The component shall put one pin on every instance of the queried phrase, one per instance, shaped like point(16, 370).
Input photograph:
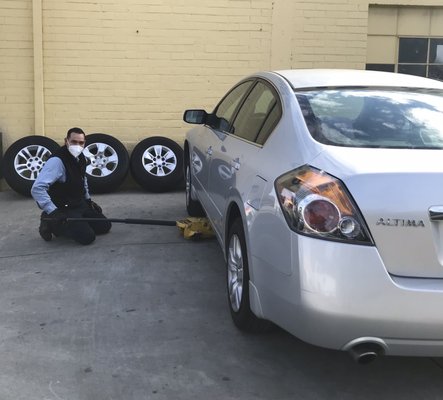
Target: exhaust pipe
point(364, 350)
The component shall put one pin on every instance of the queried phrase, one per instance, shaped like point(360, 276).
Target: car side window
point(228, 106)
point(257, 115)
point(270, 123)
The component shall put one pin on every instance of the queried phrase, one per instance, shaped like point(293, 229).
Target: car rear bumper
point(339, 293)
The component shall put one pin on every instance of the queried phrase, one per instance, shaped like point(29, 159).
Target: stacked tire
point(24, 159)
point(107, 162)
point(155, 163)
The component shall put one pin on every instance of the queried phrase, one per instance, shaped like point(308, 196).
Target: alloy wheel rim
point(235, 273)
point(29, 161)
point(159, 160)
point(102, 159)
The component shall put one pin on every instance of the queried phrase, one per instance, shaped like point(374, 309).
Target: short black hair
point(75, 130)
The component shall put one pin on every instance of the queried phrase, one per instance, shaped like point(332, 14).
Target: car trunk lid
point(395, 190)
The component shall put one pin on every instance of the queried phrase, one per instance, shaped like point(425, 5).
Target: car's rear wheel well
point(186, 153)
point(233, 214)
point(237, 275)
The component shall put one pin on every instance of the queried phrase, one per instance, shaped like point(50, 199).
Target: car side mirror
point(195, 116)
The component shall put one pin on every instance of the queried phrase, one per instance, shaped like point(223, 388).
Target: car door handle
point(436, 213)
point(209, 151)
point(235, 164)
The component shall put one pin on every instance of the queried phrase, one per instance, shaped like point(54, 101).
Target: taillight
point(315, 203)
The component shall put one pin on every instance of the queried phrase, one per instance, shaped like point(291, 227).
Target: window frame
point(244, 114)
point(277, 103)
point(400, 66)
point(254, 81)
point(240, 103)
point(426, 65)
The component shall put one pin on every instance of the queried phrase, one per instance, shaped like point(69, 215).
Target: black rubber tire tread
point(111, 182)
point(148, 181)
point(12, 178)
point(193, 207)
point(244, 318)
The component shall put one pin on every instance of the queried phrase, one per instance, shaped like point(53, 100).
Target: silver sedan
point(325, 190)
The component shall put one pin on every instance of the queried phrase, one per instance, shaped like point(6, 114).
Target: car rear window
point(384, 118)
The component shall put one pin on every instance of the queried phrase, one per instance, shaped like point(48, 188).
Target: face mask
point(75, 149)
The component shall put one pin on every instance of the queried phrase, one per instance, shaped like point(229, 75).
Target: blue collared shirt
point(53, 171)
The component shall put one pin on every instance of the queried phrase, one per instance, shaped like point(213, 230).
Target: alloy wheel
point(103, 159)
point(159, 160)
point(30, 160)
point(235, 273)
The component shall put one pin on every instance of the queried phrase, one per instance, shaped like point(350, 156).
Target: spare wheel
point(157, 164)
point(24, 159)
point(107, 162)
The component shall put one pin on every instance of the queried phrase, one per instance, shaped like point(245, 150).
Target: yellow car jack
point(195, 228)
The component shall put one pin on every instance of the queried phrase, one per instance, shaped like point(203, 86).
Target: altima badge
point(401, 222)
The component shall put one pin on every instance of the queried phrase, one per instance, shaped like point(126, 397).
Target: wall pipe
point(39, 97)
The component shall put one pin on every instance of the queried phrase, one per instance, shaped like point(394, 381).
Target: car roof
point(316, 78)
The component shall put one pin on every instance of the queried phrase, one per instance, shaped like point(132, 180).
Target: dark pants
point(82, 232)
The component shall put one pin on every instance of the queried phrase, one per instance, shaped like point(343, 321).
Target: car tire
point(24, 159)
point(107, 162)
point(193, 207)
point(156, 164)
point(237, 279)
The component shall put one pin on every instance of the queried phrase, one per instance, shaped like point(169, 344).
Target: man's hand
point(94, 206)
point(58, 216)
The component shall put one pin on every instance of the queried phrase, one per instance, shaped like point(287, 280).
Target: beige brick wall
point(16, 70)
point(323, 34)
point(131, 67)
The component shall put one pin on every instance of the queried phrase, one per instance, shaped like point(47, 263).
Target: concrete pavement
point(142, 314)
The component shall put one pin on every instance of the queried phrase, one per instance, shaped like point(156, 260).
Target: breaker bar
point(134, 221)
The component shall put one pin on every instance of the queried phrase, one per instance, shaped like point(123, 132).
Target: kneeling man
point(61, 191)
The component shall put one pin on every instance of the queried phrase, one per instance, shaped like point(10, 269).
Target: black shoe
point(45, 229)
